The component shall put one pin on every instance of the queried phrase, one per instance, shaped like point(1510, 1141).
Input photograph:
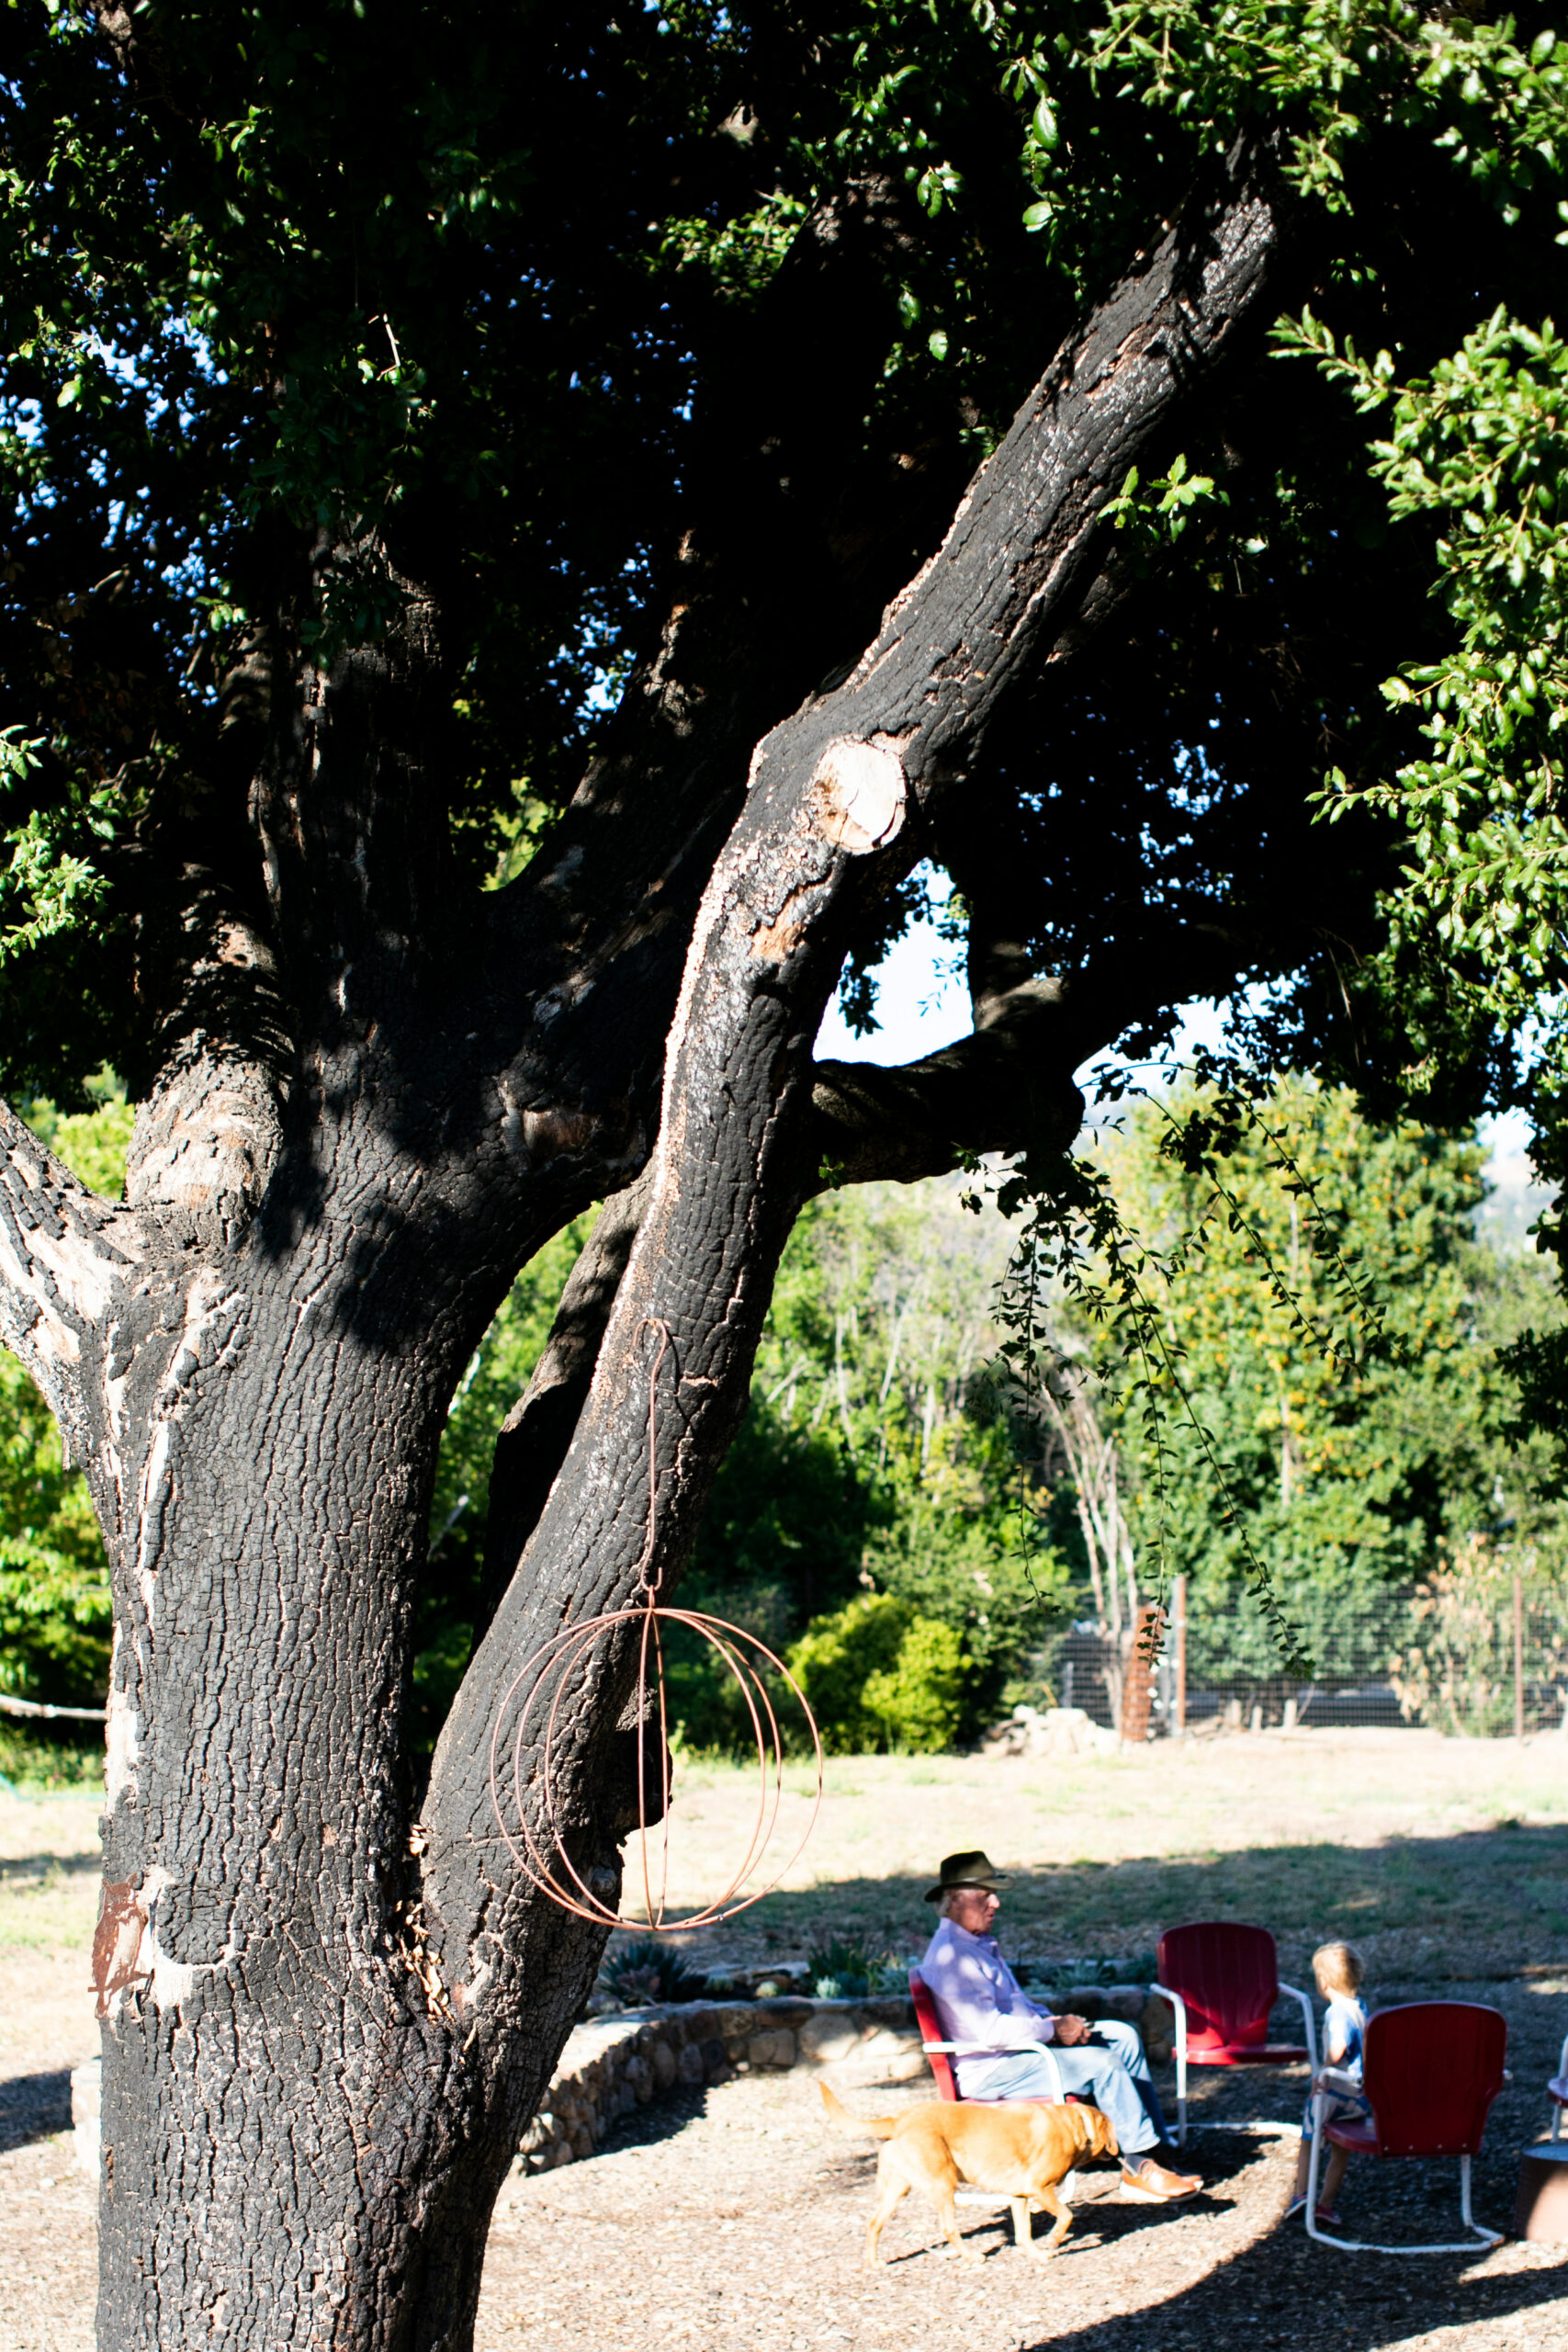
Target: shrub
point(918, 1700)
point(878, 1675)
point(841, 1970)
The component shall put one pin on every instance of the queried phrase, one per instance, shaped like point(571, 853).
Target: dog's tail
point(881, 2127)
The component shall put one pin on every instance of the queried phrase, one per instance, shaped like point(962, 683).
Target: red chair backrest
point(1229, 1978)
point(930, 2030)
point(1431, 2070)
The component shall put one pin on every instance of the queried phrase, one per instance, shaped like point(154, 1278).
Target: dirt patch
point(1441, 1856)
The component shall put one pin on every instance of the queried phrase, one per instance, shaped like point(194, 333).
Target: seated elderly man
point(983, 2010)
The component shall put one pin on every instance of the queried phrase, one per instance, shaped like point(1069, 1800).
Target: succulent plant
point(646, 1970)
point(844, 1968)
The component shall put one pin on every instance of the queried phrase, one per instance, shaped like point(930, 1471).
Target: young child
point(1338, 1972)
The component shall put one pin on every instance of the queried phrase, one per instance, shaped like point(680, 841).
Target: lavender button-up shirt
point(977, 1996)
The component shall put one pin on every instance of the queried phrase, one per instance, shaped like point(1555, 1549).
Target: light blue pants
point(1110, 2069)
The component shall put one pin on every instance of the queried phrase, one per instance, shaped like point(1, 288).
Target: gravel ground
point(735, 2220)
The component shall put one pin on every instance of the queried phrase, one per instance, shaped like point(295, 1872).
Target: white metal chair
point(1557, 2091)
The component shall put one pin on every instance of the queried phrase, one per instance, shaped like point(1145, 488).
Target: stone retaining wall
point(611, 2064)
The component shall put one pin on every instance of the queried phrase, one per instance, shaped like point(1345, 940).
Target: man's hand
point(1071, 2030)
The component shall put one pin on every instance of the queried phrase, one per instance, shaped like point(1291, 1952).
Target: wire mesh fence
point(1472, 1655)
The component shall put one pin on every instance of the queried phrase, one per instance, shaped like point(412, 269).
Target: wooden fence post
point(1518, 1658)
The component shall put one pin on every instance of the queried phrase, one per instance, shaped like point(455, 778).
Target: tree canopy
point(248, 309)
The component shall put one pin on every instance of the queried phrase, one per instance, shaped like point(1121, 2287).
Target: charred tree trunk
point(324, 2023)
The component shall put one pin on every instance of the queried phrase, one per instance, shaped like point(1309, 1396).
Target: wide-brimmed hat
point(964, 1870)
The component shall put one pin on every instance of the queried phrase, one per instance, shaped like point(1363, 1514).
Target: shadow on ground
point(1281, 2288)
point(1482, 1902)
point(1284, 2290)
point(44, 1866)
point(33, 2107)
point(643, 2127)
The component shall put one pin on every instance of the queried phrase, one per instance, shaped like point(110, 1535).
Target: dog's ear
point(1105, 2141)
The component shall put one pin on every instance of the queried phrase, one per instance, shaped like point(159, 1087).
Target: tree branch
point(1009, 1086)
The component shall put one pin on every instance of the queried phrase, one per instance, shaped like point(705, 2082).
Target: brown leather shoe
point(1151, 2181)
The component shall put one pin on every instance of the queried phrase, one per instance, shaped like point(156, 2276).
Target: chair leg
point(1178, 2011)
point(1309, 2030)
point(1315, 2170)
point(1480, 2235)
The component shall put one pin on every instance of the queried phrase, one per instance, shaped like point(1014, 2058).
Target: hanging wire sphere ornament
point(539, 1693)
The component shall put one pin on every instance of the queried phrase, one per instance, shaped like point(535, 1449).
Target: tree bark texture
point(325, 2023)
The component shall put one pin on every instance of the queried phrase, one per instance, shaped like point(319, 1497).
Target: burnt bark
point(324, 2022)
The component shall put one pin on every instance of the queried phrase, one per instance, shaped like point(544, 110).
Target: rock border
point(611, 2064)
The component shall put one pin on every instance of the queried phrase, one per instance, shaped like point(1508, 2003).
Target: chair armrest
point(1010, 2049)
point(1180, 2005)
point(984, 2049)
point(1308, 2023)
point(1179, 2008)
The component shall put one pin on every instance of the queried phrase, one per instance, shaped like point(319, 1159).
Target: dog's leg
point(1049, 2202)
point(946, 2205)
point(1023, 2224)
point(894, 2192)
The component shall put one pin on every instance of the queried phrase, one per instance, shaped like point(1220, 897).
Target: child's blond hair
point(1339, 1968)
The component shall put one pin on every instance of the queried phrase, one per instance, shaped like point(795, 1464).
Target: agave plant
point(842, 1968)
point(646, 1970)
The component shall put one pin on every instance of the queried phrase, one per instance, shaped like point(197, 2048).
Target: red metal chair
point(941, 2053)
point(1430, 2071)
point(1221, 1980)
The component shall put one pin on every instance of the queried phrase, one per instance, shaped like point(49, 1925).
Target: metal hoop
point(571, 1650)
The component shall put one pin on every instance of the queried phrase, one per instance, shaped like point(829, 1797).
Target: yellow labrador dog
point(1020, 2151)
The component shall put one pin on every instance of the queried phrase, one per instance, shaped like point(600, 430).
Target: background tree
point(866, 1464)
point(450, 449)
point(1357, 1436)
